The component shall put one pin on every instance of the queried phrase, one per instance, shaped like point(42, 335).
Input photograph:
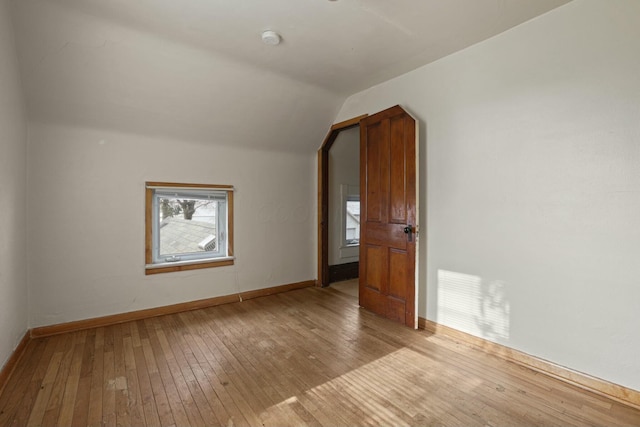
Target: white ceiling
point(197, 68)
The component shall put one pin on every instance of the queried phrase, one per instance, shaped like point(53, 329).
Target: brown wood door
point(388, 215)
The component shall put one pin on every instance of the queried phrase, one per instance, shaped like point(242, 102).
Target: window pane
point(187, 225)
point(352, 222)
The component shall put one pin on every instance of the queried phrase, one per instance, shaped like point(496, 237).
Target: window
point(352, 223)
point(188, 226)
point(350, 215)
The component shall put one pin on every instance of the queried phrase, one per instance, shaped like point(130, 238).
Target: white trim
point(352, 245)
point(207, 188)
point(217, 195)
point(347, 193)
point(189, 262)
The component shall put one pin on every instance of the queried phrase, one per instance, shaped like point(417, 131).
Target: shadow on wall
point(473, 305)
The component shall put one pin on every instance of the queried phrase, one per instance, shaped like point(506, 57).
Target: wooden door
point(388, 215)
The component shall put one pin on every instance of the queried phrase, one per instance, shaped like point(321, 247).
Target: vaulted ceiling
point(197, 69)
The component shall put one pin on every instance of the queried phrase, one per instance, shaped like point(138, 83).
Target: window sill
point(353, 245)
point(168, 267)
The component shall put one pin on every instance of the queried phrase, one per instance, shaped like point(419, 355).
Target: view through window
point(189, 224)
point(352, 221)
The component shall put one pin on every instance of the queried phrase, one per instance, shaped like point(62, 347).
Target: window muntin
point(188, 226)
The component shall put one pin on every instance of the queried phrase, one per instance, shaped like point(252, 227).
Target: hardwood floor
point(305, 357)
point(349, 287)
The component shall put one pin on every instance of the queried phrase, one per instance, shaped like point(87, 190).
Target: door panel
point(397, 273)
point(374, 189)
point(398, 174)
point(388, 208)
point(375, 259)
point(383, 235)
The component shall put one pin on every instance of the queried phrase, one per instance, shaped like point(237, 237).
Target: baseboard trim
point(96, 322)
point(599, 386)
point(340, 272)
point(276, 290)
point(13, 360)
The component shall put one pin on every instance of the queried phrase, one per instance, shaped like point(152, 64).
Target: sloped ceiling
point(196, 69)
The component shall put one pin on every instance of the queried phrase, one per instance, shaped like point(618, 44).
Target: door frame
point(323, 196)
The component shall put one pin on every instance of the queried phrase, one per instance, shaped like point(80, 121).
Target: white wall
point(13, 146)
point(89, 70)
point(86, 216)
point(344, 169)
point(532, 173)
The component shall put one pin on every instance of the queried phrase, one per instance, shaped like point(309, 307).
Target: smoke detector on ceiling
point(271, 38)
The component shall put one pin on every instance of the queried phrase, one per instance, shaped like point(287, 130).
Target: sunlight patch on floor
point(380, 393)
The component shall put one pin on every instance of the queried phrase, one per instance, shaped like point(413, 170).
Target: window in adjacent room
point(188, 226)
point(350, 215)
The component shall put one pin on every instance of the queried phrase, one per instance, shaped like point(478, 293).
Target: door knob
point(407, 229)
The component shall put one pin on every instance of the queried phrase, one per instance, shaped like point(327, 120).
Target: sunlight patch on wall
point(473, 305)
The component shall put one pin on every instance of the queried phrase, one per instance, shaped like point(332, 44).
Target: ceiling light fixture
point(271, 38)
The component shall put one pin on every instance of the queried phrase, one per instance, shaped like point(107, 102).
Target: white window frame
point(348, 193)
point(222, 255)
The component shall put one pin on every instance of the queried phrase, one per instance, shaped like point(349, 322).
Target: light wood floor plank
point(234, 401)
point(259, 367)
point(29, 395)
point(94, 415)
point(197, 409)
point(54, 405)
point(40, 405)
point(20, 387)
point(233, 410)
point(275, 370)
point(81, 405)
point(71, 387)
point(167, 386)
point(119, 381)
point(233, 375)
point(146, 389)
point(247, 372)
point(309, 357)
point(109, 392)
